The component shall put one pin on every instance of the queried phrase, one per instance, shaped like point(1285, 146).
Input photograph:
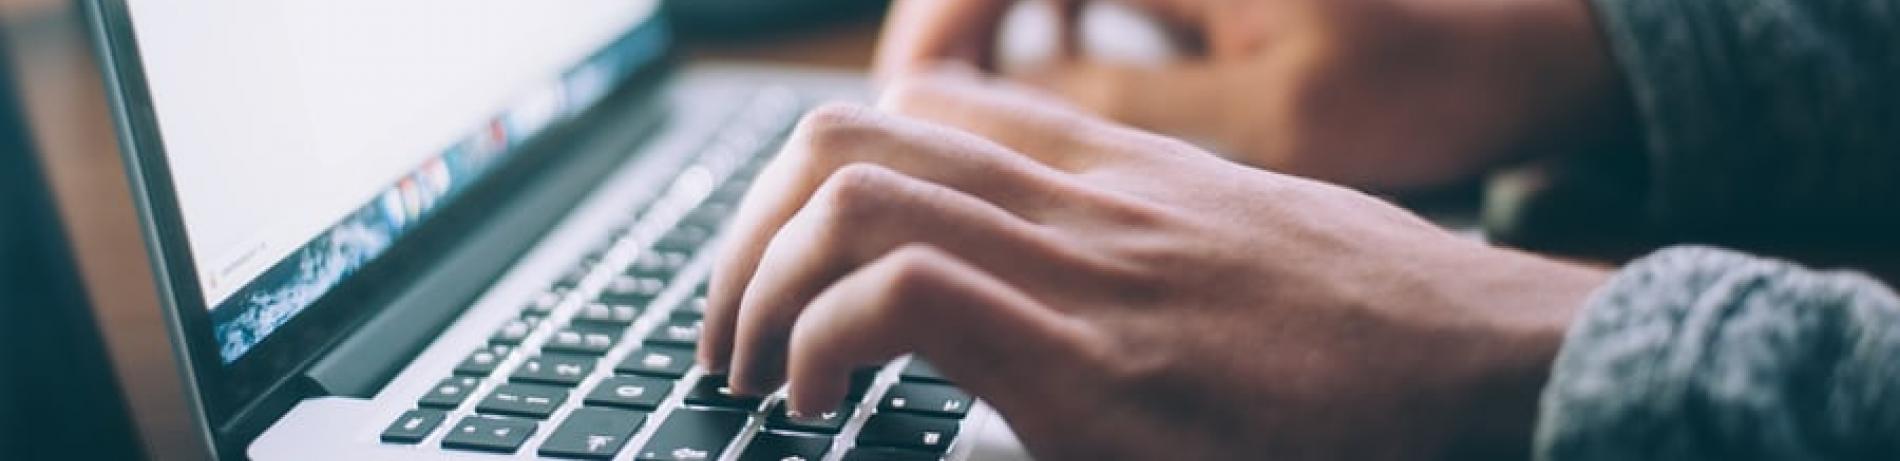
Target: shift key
point(693, 435)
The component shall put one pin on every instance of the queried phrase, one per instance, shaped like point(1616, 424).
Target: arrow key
point(483, 433)
point(593, 433)
point(693, 435)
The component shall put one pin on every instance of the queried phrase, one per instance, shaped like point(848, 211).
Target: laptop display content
point(304, 138)
point(279, 149)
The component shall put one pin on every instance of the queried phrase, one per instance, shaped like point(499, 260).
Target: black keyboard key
point(687, 314)
point(658, 264)
point(593, 433)
point(529, 400)
point(713, 391)
point(664, 362)
point(921, 371)
point(481, 433)
point(413, 426)
point(768, 446)
point(512, 333)
point(560, 369)
point(450, 392)
point(483, 361)
point(693, 435)
point(612, 314)
point(830, 422)
point(586, 339)
point(678, 333)
point(888, 454)
point(687, 238)
point(638, 392)
point(908, 431)
point(927, 399)
point(632, 290)
point(731, 192)
point(710, 215)
point(861, 382)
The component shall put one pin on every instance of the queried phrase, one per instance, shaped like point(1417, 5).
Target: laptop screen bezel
point(219, 391)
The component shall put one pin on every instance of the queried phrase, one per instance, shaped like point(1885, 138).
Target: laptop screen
point(305, 138)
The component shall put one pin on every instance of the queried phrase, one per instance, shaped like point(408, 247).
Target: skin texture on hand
point(1065, 269)
point(1381, 94)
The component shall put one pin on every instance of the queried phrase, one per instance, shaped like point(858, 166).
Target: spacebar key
point(693, 435)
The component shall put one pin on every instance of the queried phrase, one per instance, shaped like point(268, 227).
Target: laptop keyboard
point(605, 357)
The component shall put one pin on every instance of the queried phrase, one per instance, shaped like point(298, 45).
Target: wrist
point(1528, 304)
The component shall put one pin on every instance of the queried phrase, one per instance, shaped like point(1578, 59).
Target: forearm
point(1695, 353)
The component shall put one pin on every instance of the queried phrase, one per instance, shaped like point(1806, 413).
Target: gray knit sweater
point(1755, 113)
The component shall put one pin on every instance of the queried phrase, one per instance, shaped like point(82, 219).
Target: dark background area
point(725, 20)
point(57, 397)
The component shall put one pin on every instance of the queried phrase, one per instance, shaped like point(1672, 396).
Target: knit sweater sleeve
point(1695, 353)
point(1765, 119)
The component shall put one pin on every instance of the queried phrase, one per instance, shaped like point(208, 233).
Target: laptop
point(468, 229)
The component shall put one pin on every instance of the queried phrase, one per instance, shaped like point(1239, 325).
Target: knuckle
point(858, 192)
point(836, 127)
point(1133, 360)
point(913, 273)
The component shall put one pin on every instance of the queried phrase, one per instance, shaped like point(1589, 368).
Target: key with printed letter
point(483, 361)
point(636, 392)
point(693, 435)
point(483, 433)
point(560, 369)
point(413, 426)
point(825, 423)
point(681, 333)
point(908, 431)
point(612, 314)
point(584, 338)
point(927, 399)
point(593, 433)
point(450, 392)
point(530, 400)
point(664, 362)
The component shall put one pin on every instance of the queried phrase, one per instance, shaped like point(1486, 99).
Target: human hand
point(1382, 94)
point(1067, 269)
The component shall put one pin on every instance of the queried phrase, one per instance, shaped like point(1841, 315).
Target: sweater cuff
point(1699, 353)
